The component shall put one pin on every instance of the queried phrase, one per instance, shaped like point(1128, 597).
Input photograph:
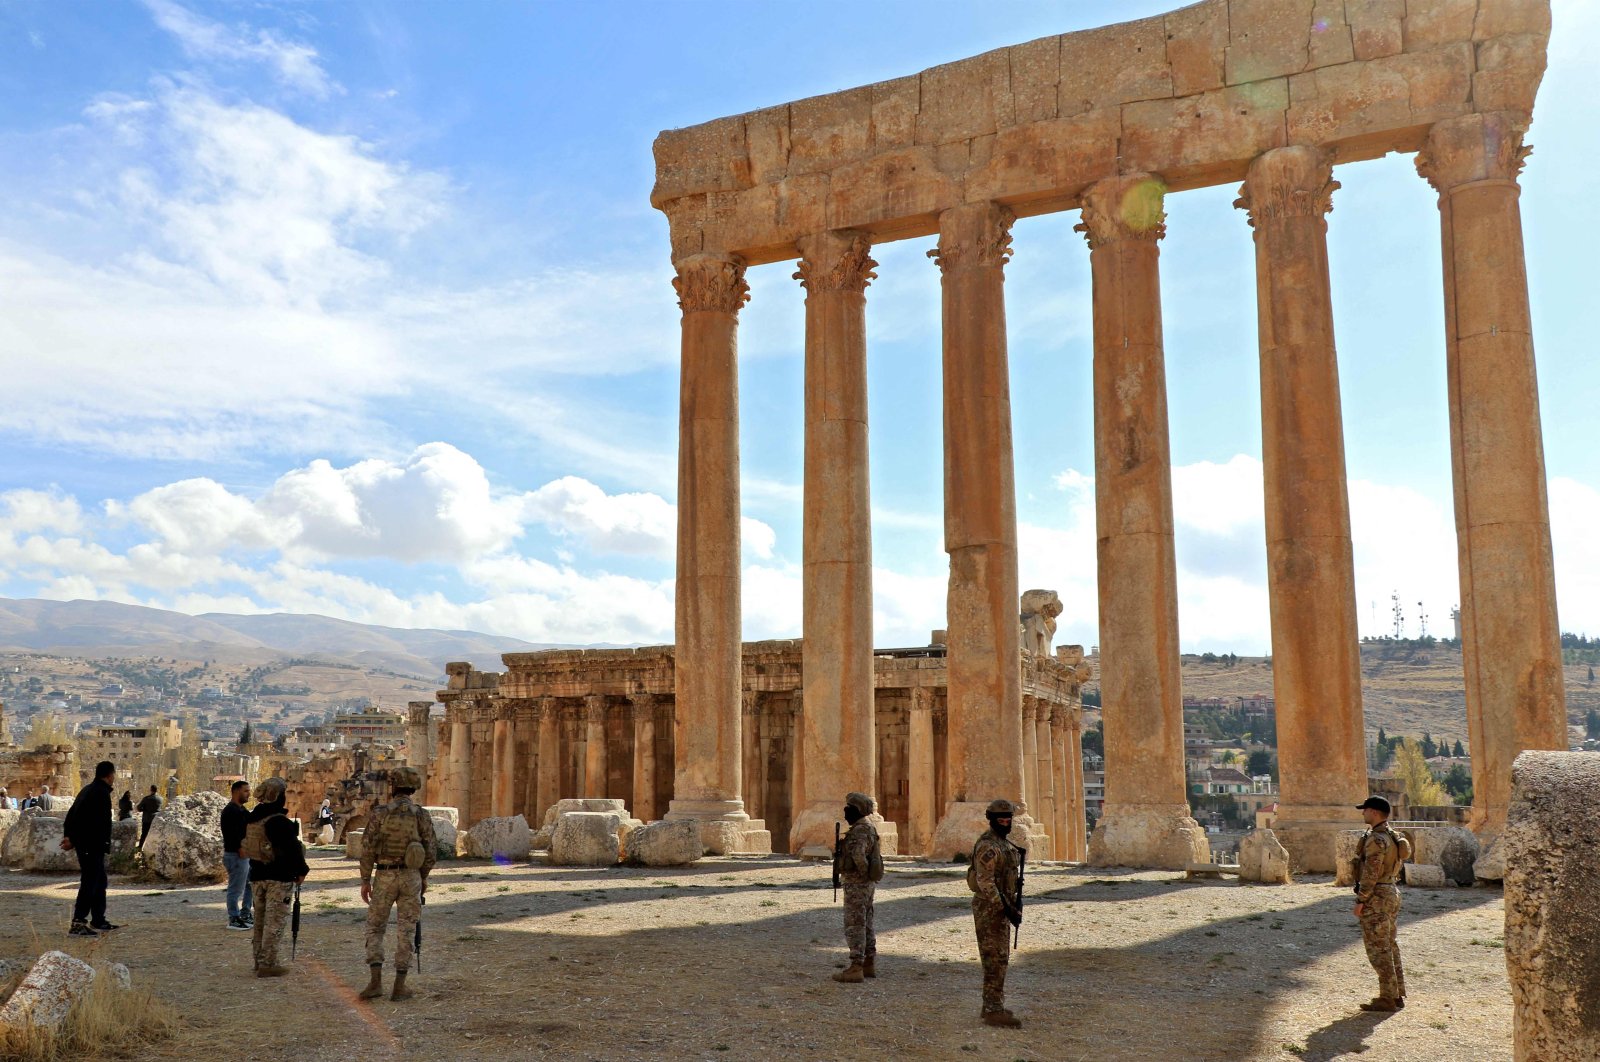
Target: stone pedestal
point(984, 665)
point(706, 782)
point(1510, 641)
point(1146, 820)
point(1316, 655)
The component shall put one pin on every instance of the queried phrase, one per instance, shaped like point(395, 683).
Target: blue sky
point(362, 309)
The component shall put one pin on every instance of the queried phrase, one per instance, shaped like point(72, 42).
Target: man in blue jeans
point(234, 820)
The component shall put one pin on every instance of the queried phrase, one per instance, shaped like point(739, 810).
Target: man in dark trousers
point(87, 831)
point(147, 811)
point(234, 821)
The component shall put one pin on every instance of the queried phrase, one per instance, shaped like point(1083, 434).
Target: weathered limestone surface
point(1453, 848)
point(589, 839)
point(124, 840)
point(8, 819)
point(1552, 894)
point(499, 838)
point(185, 839)
point(42, 1001)
point(34, 843)
point(1262, 858)
point(1148, 837)
point(568, 805)
point(446, 826)
point(352, 843)
point(663, 844)
point(1425, 876)
point(1346, 843)
point(1034, 124)
point(1491, 862)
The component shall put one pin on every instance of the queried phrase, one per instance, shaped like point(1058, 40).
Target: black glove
point(1013, 916)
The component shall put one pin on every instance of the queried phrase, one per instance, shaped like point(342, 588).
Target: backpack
point(255, 845)
point(972, 870)
point(875, 862)
point(399, 839)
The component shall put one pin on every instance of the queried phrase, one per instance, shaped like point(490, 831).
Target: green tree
point(1094, 739)
point(1383, 739)
point(47, 728)
point(1457, 781)
point(1411, 767)
point(246, 735)
point(1459, 750)
point(1429, 749)
point(1260, 762)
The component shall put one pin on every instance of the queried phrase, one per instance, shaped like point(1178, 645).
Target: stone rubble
point(185, 839)
point(499, 838)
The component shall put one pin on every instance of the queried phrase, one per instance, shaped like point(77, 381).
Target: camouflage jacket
point(1379, 856)
point(995, 863)
point(855, 860)
point(393, 816)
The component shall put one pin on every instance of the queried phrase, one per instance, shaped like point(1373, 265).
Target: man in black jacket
point(273, 882)
point(87, 831)
point(147, 811)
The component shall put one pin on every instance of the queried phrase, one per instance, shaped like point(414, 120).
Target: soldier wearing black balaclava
point(992, 877)
point(860, 869)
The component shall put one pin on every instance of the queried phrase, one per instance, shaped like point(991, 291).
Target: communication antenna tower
point(1422, 620)
point(1399, 616)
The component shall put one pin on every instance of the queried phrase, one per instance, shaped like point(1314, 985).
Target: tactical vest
point(1399, 852)
point(398, 837)
point(255, 845)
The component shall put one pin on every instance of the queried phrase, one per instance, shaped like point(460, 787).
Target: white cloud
point(294, 63)
point(39, 510)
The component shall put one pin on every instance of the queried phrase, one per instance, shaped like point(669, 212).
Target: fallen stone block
point(42, 1001)
point(501, 839)
point(567, 805)
point(1491, 862)
point(1425, 876)
point(1346, 844)
point(1551, 854)
point(541, 838)
point(8, 819)
point(587, 839)
point(352, 843)
point(445, 830)
point(37, 844)
point(663, 844)
point(1454, 848)
point(185, 839)
point(1263, 858)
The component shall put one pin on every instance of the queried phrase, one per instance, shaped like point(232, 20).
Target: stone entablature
point(1193, 95)
point(556, 701)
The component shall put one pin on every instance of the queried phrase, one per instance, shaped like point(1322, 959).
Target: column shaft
point(706, 783)
point(594, 746)
point(922, 811)
point(1510, 640)
point(501, 791)
point(750, 735)
point(1147, 820)
point(1030, 768)
point(461, 766)
point(837, 725)
point(644, 757)
point(549, 754)
point(1079, 822)
point(1316, 652)
point(1044, 760)
point(984, 749)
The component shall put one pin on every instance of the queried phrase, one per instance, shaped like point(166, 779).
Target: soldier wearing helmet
point(397, 852)
point(860, 868)
point(992, 877)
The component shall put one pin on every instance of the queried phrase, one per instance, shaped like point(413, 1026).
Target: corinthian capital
point(836, 261)
point(1474, 147)
point(711, 282)
point(977, 234)
point(1127, 207)
point(594, 708)
point(1288, 182)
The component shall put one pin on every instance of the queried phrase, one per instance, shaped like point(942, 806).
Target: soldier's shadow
point(1346, 1036)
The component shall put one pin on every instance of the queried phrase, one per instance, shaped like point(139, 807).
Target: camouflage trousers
point(994, 949)
point(858, 934)
point(1378, 917)
point(273, 903)
point(402, 890)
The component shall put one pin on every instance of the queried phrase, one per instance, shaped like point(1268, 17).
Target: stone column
point(644, 756)
point(1316, 651)
point(1032, 784)
point(750, 735)
point(461, 764)
point(1061, 771)
point(594, 745)
point(549, 754)
point(1510, 642)
point(837, 737)
point(419, 746)
point(502, 789)
point(1044, 768)
point(1078, 822)
point(525, 742)
point(984, 698)
point(921, 811)
point(706, 782)
point(1147, 821)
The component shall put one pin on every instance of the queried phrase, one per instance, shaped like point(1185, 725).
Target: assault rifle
point(294, 923)
point(416, 936)
point(1022, 870)
point(838, 851)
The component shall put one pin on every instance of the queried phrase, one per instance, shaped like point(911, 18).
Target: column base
point(725, 829)
point(1161, 836)
point(1311, 834)
point(964, 822)
point(811, 836)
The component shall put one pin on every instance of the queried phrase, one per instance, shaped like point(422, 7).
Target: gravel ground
point(730, 959)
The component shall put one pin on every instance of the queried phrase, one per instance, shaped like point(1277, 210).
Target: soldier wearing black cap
point(1379, 857)
point(860, 869)
point(992, 877)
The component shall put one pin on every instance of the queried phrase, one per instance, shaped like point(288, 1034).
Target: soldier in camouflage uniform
point(992, 876)
point(1379, 858)
point(394, 873)
point(860, 869)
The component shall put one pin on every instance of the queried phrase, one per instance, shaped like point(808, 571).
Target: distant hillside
point(107, 628)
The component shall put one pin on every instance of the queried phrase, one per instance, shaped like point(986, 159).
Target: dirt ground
point(730, 959)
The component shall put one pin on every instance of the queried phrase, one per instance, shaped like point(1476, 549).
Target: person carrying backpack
point(860, 869)
point(397, 851)
point(277, 865)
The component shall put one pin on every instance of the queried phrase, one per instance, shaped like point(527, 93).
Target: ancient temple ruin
point(1273, 93)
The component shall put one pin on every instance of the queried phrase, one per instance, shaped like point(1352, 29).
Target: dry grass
point(108, 1022)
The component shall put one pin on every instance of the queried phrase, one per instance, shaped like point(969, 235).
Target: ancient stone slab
point(1263, 858)
point(1425, 876)
point(1114, 64)
point(499, 839)
point(445, 822)
point(47, 994)
point(124, 841)
point(1454, 848)
point(8, 819)
point(568, 805)
point(352, 843)
point(1148, 837)
point(1491, 862)
point(587, 839)
point(1552, 897)
point(1344, 856)
point(669, 843)
point(34, 843)
point(185, 839)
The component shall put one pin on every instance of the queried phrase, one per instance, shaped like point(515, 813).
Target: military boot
point(374, 987)
point(850, 975)
point(271, 971)
point(1003, 1018)
point(869, 967)
point(1381, 1003)
point(400, 991)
